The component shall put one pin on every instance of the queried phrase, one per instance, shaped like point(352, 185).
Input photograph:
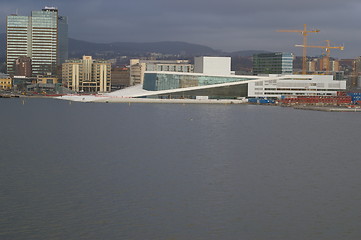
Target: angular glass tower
point(43, 37)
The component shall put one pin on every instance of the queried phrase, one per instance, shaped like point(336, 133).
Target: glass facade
point(227, 92)
point(163, 81)
point(273, 63)
point(62, 39)
point(16, 38)
point(44, 41)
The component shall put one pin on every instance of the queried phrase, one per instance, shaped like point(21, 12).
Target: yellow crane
point(327, 49)
point(304, 33)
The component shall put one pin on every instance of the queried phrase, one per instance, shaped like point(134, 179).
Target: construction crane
point(327, 49)
point(304, 33)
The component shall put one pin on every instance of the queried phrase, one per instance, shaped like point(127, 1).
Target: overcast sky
point(228, 25)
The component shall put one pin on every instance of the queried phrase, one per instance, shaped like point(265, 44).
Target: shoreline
point(112, 99)
point(171, 101)
point(327, 108)
point(103, 99)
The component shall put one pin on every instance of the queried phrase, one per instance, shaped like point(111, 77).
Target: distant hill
point(78, 48)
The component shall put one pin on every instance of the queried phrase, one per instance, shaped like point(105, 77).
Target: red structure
point(331, 100)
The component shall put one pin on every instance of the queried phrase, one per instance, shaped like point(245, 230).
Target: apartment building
point(87, 75)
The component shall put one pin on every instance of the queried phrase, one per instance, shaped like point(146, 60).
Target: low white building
point(277, 86)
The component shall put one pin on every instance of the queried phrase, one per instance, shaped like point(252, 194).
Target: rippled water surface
point(160, 171)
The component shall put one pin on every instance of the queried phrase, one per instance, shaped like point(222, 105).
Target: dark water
point(154, 171)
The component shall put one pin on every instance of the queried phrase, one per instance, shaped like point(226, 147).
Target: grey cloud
point(228, 24)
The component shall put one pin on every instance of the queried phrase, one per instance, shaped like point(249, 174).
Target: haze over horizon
point(228, 25)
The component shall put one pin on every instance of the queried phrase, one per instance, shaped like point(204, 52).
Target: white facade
point(213, 65)
point(296, 85)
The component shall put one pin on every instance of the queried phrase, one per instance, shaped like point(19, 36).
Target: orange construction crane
point(304, 33)
point(328, 51)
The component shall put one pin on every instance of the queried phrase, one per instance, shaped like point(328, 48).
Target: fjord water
point(160, 171)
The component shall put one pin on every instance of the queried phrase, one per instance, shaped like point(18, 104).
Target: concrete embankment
point(8, 95)
point(177, 101)
point(115, 99)
point(328, 108)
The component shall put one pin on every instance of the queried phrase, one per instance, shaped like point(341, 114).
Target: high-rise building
point(43, 37)
point(87, 75)
point(273, 63)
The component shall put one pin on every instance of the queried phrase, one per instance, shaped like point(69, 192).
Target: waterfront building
point(5, 82)
point(191, 85)
point(47, 80)
point(277, 86)
point(46, 85)
point(87, 75)
point(273, 63)
point(233, 86)
point(20, 83)
point(164, 84)
point(157, 81)
point(43, 37)
point(139, 66)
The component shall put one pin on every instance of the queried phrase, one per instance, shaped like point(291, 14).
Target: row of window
point(17, 48)
point(17, 32)
point(39, 57)
point(44, 48)
point(25, 40)
point(42, 41)
point(17, 37)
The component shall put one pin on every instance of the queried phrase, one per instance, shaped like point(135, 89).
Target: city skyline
point(42, 36)
point(228, 25)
